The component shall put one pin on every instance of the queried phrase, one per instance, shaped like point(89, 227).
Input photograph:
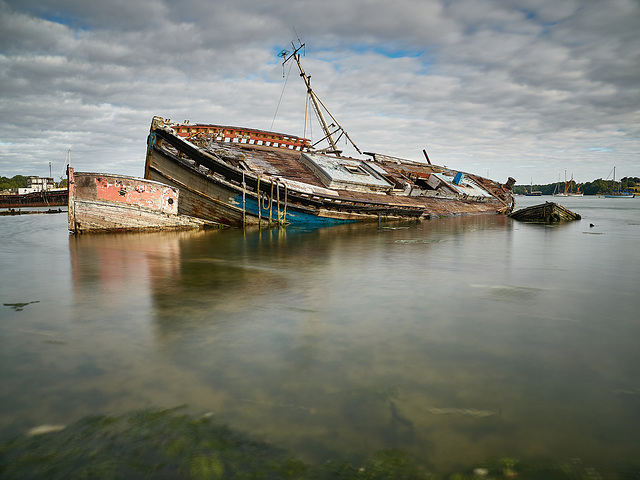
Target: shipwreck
point(548, 212)
point(244, 176)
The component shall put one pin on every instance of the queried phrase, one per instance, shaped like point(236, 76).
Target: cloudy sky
point(524, 88)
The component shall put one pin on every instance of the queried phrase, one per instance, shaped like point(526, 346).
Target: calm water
point(456, 340)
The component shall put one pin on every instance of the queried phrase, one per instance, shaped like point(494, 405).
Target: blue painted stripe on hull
point(294, 217)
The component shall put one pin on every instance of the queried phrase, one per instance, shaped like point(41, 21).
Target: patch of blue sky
point(321, 53)
point(528, 14)
point(389, 51)
point(329, 53)
point(544, 26)
point(67, 20)
point(600, 149)
point(423, 55)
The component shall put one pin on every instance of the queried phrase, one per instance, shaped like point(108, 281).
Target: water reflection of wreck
point(189, 277)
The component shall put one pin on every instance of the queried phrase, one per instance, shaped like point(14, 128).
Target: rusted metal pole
point(244, 190)
point(284, 220)
point(271, 202)
point(278, 202)
point(259, 204)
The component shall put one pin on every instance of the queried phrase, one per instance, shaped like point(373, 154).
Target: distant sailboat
point(577, 193)
point(532, 192)
point(619, 193)
point(563, 193)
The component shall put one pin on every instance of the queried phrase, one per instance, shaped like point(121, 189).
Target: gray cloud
point(523, 88)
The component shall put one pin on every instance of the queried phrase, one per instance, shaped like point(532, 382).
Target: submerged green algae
point(160, 444)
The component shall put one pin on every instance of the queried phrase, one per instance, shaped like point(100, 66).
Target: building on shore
point(36, 184)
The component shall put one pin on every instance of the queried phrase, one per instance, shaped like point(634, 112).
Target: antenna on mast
point(318, 106)
point(302, 45)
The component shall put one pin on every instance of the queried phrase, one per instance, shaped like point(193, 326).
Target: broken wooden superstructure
point(548, 212)
point(101, 203)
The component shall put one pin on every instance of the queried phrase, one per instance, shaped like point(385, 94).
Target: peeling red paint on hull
point(115, 203)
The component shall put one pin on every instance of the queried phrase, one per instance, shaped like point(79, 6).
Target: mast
point(317, 104)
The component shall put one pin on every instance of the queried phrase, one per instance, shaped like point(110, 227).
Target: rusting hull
point(55, 198)
point(548, 212)
point(245, 180)
point(206, 196)
point(100, 203)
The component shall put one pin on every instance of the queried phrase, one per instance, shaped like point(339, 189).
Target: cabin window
point(355, 169)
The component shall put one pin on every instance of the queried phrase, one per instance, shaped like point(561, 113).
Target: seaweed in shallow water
point(18, 307)
point(159, 444)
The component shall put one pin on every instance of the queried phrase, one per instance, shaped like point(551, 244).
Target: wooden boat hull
point(100, 203)
point(236, 177)
point(548, 212)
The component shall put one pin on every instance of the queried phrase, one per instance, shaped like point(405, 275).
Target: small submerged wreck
point(244, 176)
point(101, 203)
point(548, 212)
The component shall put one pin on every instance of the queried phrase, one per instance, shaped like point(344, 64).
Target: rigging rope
point(281, 94)
point(308, 121)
